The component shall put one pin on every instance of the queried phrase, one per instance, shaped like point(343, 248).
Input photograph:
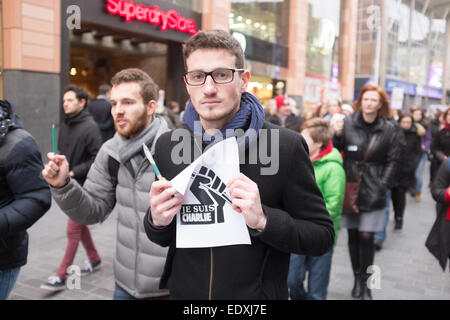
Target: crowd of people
point(341, 166)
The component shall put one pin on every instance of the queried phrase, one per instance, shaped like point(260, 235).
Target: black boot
point(353, 249)
point(366, 293)
point(398, 223)
point(357, 289)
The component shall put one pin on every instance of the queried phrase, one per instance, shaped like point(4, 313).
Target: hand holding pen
point(164, 204)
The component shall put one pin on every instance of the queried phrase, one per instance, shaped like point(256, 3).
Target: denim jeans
point(419, 172)
point(7, 280)
point(120, 294)
point(381, 235)
point(318, 276)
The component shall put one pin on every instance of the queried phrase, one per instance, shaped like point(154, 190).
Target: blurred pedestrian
point(121, 178)
point(405, 173)
point(438, 240)
point(440, 145)
point(285, 117)
point(24, 195)
point(419, 118)
point(100, 109)
point(333, 107)
point(368, 124)
point(79, 141)
point(347, 109)
point(330, 178)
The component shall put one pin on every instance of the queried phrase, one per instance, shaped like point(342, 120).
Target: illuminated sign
point(153, 15)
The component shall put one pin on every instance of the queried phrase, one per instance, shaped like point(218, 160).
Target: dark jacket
point(100, 109)
point(409, 159)
point(440, 146)
point(24, 194)
point(379, 172)
point(79, 141)
point(297, 221)
point(438, 240)
point(292, 121)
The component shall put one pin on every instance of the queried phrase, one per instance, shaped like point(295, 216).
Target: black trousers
point(398, 196)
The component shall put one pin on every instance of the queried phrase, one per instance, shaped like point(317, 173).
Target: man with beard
point(120, 176)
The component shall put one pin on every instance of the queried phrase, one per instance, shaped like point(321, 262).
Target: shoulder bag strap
point(366, 156)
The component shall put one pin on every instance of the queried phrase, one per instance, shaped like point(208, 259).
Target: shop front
point(118, 34)
point(322, 69)
point(262, 30)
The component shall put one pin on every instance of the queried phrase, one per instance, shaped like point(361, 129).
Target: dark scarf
point(249, 116)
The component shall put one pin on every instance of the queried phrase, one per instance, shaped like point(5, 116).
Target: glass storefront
point(322, 41)
point(94, 63)
point(194, 5)
point(267, 21)
point(261, 87)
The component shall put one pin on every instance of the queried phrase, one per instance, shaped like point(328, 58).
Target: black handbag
point(351, 198)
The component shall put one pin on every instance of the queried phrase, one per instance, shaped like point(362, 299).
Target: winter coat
point(138, 263)
point(79, 140)
point(100, 109)
point(438, 240)
point(440, 146)
point(292, 121)
point(24, 194)
point(330, 177)
point(409, 160)
point(297, 222)
point(379, 171)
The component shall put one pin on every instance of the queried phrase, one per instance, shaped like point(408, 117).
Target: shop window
point(262, 20)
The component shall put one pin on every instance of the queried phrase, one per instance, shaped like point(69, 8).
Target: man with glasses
point(284, 210)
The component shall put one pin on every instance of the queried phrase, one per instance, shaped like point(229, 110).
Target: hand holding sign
point(245, 199)
point(163, 203)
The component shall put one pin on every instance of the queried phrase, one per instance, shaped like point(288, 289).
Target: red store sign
point(170, 19)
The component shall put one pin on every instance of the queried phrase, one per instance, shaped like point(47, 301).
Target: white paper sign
point(206, 218)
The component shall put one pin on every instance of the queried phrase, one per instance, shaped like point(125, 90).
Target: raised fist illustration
point(208, 188)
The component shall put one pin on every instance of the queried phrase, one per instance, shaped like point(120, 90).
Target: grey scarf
point(129, 148)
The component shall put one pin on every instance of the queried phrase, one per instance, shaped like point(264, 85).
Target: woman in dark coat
point(410, 158)
point(353, 139)
point(440, 145)
point(438, 241)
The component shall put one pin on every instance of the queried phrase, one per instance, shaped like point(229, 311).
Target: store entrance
point(96, 55)
point(91, 67)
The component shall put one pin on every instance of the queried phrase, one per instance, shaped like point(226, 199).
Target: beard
point(135, 127)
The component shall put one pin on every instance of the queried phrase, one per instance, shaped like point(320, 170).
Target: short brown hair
point(319, 130)
point(149, 89)
point(384, 110)
point(214, 39)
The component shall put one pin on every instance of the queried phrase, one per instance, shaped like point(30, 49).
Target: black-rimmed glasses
point(219, 76)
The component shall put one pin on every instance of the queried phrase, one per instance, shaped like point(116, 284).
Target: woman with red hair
point(353, 137)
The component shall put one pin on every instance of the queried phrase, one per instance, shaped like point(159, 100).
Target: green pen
point(53, 136)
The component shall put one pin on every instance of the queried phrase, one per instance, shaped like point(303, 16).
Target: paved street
point(408, 270)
